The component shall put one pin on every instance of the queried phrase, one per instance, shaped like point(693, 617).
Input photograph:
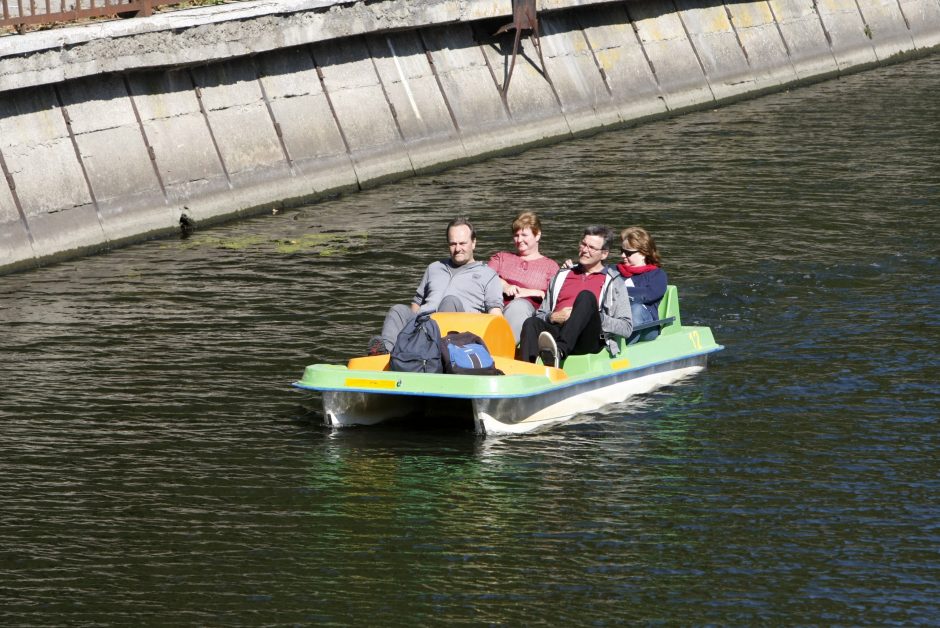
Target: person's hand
point(560, 316)
point(511, 291)
point(567, 264)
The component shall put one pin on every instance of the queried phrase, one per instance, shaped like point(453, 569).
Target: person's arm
point(560, 317)
point(653, 288)
point(616, 315)
point(493, 295)
point(545, 309)
point(421, 292)
point(529, 292)
point(548, 271)
point(496, 264)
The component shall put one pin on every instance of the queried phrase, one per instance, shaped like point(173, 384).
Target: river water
point(158, 467)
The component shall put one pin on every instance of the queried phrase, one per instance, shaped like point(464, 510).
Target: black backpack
point(465, 353)
point(416, 349)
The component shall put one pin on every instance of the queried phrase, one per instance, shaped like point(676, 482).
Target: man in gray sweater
point(456, 284)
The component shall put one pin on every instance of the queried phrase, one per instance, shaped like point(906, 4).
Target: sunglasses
point(628, 252)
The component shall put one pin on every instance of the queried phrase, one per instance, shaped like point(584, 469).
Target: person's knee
point(519, 308)
point(585, 298)
point(402, 312)
point(529, 323)
point(518, 311)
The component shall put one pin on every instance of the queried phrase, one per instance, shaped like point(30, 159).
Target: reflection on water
point(156, 461)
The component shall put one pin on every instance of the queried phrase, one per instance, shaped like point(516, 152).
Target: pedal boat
point(528, 396)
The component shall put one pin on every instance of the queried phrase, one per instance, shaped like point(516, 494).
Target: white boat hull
point(520, 415)
point(511, 415)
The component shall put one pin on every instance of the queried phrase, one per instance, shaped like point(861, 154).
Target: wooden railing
point(20, 14)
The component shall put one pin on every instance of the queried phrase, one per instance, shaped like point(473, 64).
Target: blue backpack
point(465, 353)
point(416, 349)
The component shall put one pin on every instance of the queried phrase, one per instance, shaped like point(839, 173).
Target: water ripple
point(156, 462)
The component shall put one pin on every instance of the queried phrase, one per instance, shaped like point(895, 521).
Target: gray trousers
point(400, 315)
point(515, 313)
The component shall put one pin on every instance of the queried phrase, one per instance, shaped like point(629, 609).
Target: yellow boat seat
point(517, 367)
point(369, 363)
point(493, 329)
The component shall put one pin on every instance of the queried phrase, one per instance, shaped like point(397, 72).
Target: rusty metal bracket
point(524, 18)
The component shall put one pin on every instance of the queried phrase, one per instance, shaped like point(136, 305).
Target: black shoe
point(548, 350)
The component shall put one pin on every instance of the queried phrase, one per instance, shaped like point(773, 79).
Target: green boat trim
point(338, 378)
point(527, 396)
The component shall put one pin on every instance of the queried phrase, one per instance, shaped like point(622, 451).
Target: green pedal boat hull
point(527, 397)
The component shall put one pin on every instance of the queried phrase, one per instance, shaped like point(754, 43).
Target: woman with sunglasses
point(646, 281)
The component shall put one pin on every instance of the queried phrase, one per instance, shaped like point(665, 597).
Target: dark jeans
point(580, 334)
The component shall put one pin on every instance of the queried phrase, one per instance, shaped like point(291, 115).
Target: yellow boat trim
point(619, 365)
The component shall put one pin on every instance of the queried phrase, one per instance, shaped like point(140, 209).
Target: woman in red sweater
point(524, 274)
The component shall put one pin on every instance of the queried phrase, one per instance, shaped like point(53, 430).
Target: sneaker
point(548, 350)
point(376, 346)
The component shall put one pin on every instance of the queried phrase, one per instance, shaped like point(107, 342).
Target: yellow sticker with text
point(355, 382)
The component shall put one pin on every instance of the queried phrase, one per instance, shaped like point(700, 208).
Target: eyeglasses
point(628, 252)
point(585, 245)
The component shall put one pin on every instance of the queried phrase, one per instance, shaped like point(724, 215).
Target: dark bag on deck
point(465, 353)
point(416, 349)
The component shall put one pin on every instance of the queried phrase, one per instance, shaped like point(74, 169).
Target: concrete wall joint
point(205, 116)
point(151, 153)
point(78, 153)
point(11, 184)
point(437, 79)
point(329, 101)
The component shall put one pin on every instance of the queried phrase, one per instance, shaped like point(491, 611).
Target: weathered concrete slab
point(16, 251)
point(300, 98)
point(586, 100)
point(242, 127)
point(886, 27)
point(363, 111)
point(531, 98)
point(58, 206)
point(430, 135)
point(626, 70)
point(850, 45)
point(762, 43)
point(307, 124)
point(469, 89)
point(127, 190)
point(923, 18)
point(176, 128)
point(805, 38)
point(671, 56)
point(718, 49)
point(203, 34)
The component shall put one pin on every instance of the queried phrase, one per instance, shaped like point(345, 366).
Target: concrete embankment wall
point(112, 133)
